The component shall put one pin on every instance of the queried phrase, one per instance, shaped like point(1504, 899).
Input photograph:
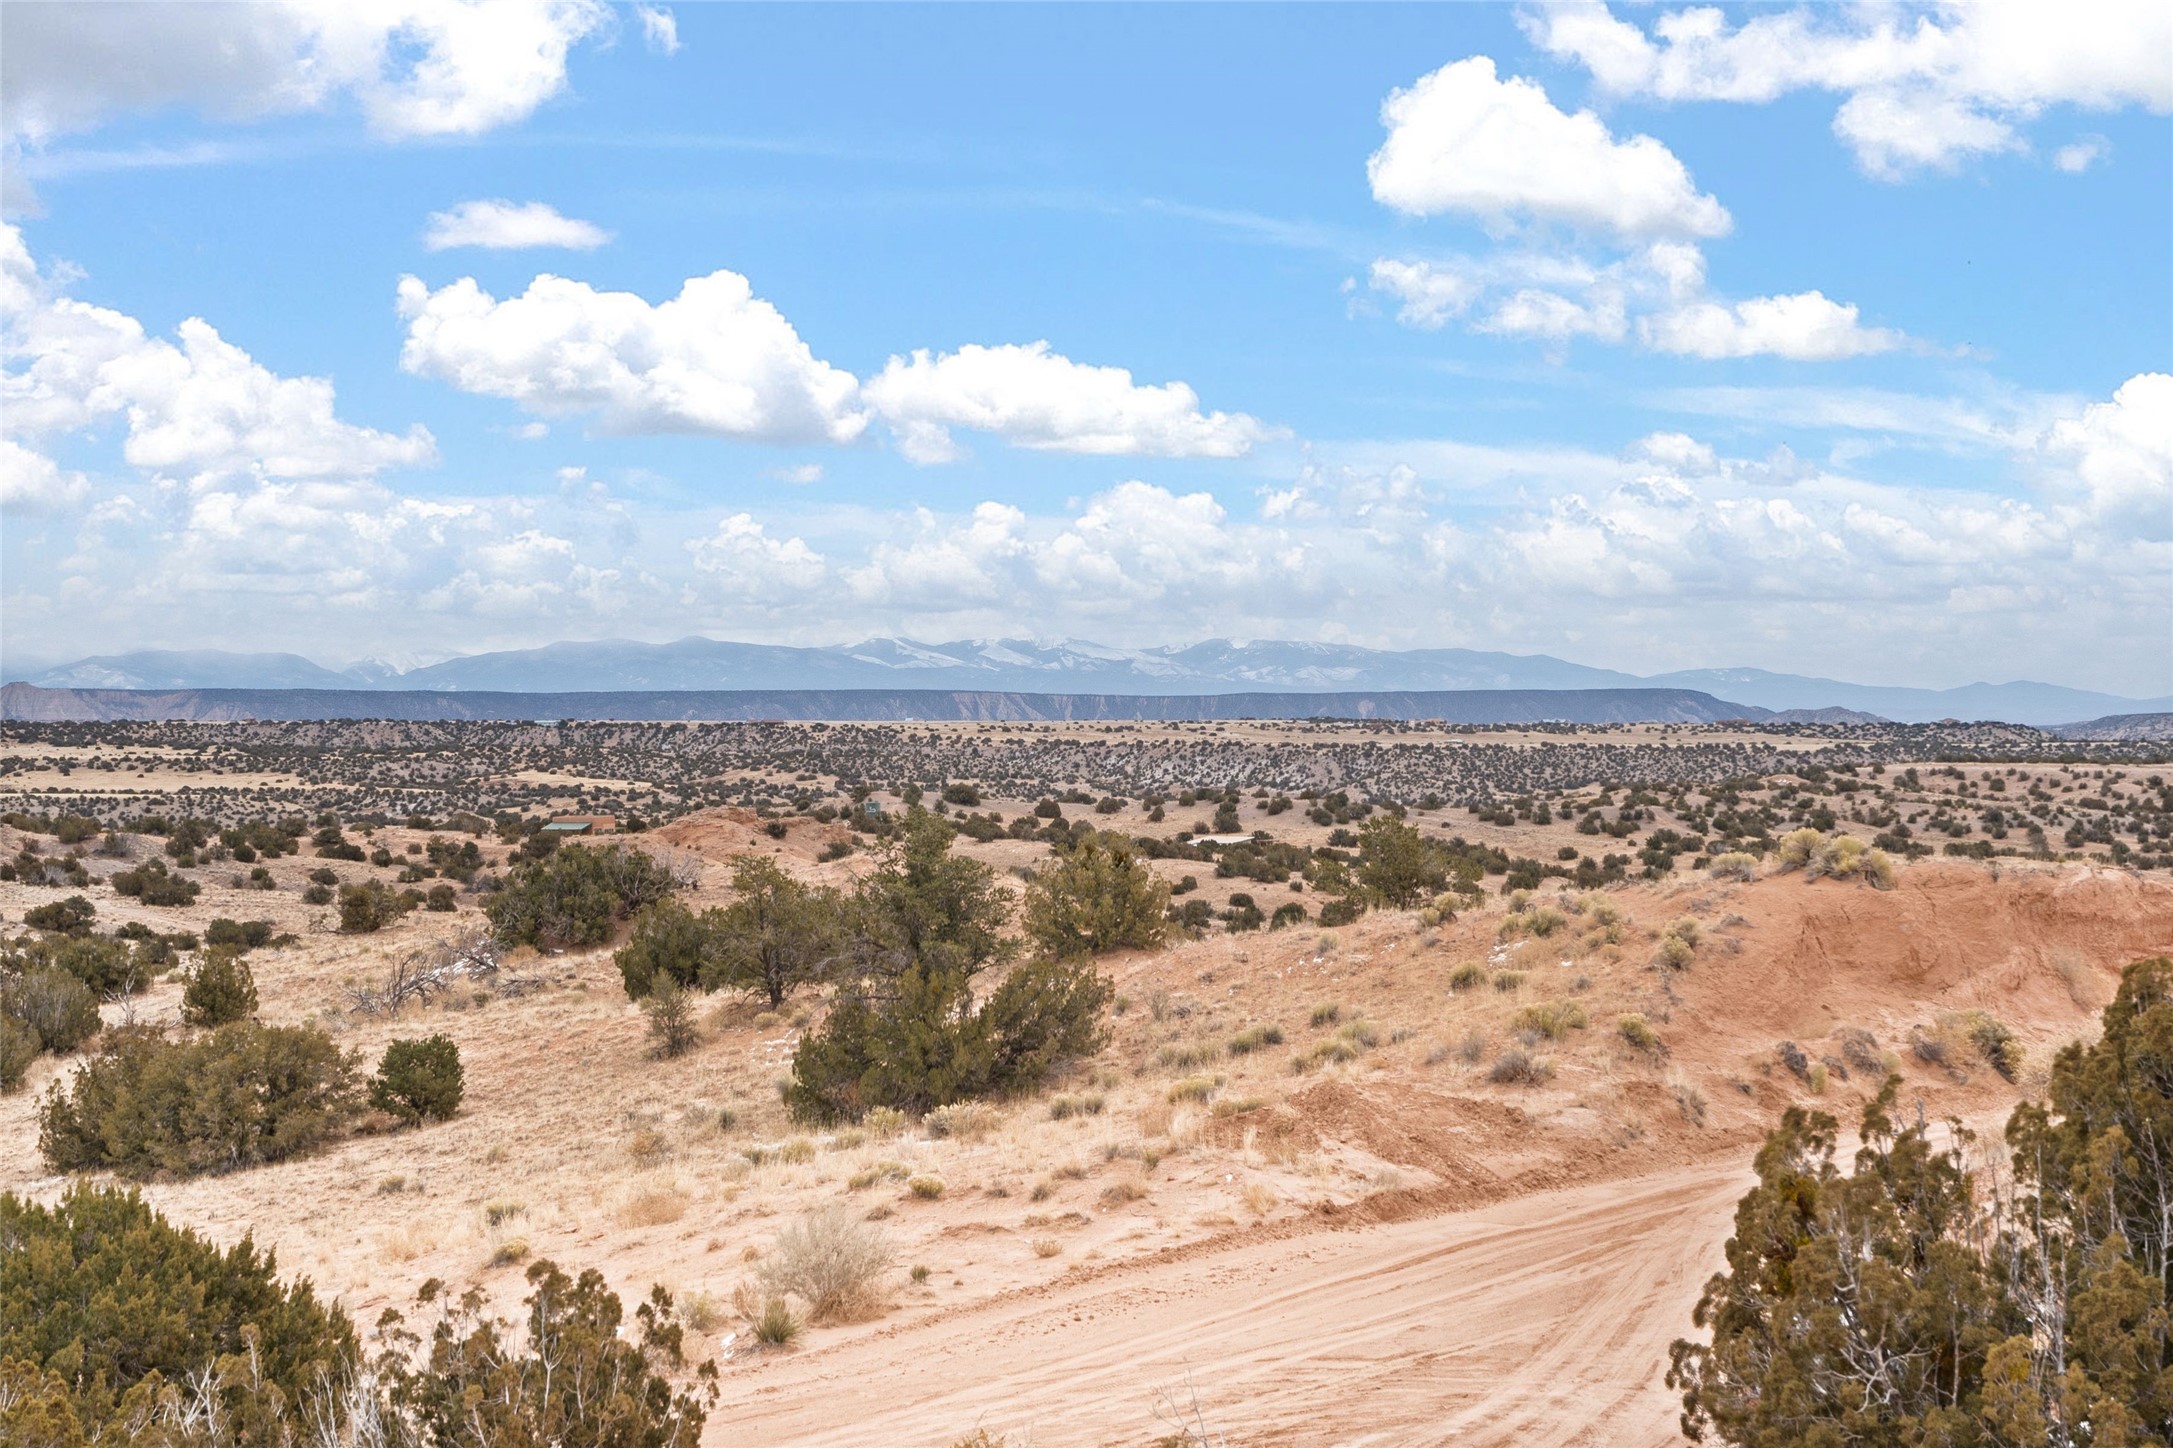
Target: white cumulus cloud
point(716, 359)
point(415, 67)
point(1033, 397)
point(31, 482)
point(203, 409)
point(1925, 85)
point(744, 561)
point(1805, 327)
point(510, 226)
point(1552, 317)
point(1464, 140)
point(2121, 451)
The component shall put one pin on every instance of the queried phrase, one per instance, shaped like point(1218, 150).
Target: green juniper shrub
point(924, 905)
point(1902, 1303)
point(238, 935)
point(668, 942)
point(221, 989)
point(418, 1080)
point(1343, 911)
point(470, 1384)
point(575, 896)
point(109, 966)
point(922, 1043)
point(1045, 1013)
point(74, 829)
point(1096, 897)
point(106, 1295)
point(1193, 917)
point(71, 916)
point(151, 883)
point(1242, 915)
point(19, 1046)
point(369, 907)
point(116, 1327)
point(235, 1097)
point(776, 936)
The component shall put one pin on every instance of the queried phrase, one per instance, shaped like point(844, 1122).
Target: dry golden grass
point(653, 1204)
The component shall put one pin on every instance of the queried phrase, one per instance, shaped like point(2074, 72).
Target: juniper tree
point(1097, 897)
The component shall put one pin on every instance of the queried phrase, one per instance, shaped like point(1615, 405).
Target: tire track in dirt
point(1538, 1321)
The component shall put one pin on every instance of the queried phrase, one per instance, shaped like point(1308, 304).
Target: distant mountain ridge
point(1216, 666)
point(29, 702)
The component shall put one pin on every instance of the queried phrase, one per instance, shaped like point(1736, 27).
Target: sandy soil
point(1389, 1250)
point(1540, 1321)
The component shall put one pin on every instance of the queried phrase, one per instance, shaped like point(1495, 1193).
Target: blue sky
point(1822, 340)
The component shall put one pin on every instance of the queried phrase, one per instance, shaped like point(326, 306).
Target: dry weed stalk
point(1179, 1410)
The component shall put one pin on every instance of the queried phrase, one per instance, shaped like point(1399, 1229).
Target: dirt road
point(1535, 1322)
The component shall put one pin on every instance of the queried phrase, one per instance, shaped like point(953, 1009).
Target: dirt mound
point(1460, 1139)
point(1797, 959)
point(1277, 1130)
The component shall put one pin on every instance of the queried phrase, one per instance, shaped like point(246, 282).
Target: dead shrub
point(1123, 1192)
point(649, 1148)
point(883, 1122)
point(1793, 1057)
point(1994, 1042)
point(1933, 1051)
point(1516, 1067)
point(700, 1311)
point(653, 1206)
point(964, 1121)
point(832, 1261)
